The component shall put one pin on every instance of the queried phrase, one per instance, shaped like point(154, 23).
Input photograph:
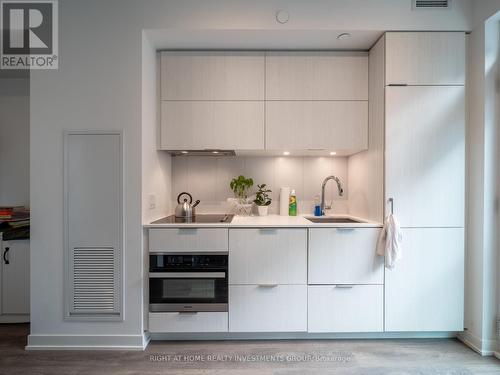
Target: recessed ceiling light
point(215, 152)
point(286, 153)
point(333, 153)
point(184, 152)
point(343, 36)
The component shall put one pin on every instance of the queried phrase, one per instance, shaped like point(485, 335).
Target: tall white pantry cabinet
point(424, 177)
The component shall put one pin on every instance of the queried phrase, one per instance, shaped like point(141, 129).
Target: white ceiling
point(262, 39)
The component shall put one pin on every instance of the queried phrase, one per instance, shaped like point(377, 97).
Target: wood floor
point(381, 357)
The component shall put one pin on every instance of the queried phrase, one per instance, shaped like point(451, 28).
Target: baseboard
point(87, 342)
point(301, 336)
point(483, 347)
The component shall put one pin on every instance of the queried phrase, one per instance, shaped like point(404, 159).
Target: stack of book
point(14, 217)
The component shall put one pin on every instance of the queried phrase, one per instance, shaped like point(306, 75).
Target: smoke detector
point(282, 16)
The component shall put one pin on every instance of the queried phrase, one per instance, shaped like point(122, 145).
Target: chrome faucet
point(323, 185)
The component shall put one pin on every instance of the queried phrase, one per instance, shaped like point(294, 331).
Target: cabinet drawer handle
point(268, 285)
point(188, 312)
point(345, 229)
point(345, 286)
point(5, 260)
point(188, 230)
point(268, 230)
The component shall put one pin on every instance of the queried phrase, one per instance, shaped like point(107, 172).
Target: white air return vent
point(94, 284)
point(431, 4)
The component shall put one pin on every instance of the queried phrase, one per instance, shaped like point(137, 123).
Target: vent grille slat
point(94, 278)
point(431, 4)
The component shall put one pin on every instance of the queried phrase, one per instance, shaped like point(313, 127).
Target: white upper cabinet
point(311, 125)
point(212, 75)
point(425, 154)
point(311, 75)
point(317, 101)
point(248, 100)
point(425, 58)
point(212, 100)
point(197, 125)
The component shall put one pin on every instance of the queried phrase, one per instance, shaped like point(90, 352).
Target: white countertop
point(275, 221)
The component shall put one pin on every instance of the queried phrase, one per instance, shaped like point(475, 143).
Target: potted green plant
point(240, 186)
point(262, 199)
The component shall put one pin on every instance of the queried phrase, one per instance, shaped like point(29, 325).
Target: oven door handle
point(187, 275)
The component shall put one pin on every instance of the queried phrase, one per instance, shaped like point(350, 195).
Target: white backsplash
point(207, 179)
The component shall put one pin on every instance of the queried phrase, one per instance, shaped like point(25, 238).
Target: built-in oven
point(188, 282)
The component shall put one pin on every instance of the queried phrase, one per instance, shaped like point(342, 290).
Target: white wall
point(98, 86)
point(482, 183)
point(14, 140)
point(156, 165)
point(366, 169)
point(207, 179)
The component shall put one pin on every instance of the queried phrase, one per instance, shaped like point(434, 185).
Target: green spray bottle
point(292, 205)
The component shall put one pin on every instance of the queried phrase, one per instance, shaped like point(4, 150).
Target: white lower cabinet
point(188, 322)
point(425, 291)
point(268, 256)
point(187, 239)
point(268, 308)
point(344, 256)
point(15, 281)
point(346, 308)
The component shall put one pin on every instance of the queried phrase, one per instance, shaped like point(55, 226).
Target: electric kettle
point(184, 207)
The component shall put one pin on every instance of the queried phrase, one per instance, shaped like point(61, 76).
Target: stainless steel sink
point(339, 220)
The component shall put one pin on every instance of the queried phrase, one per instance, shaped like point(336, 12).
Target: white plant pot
point(262, 210)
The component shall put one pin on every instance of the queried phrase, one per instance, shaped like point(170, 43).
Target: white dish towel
point(389, 242)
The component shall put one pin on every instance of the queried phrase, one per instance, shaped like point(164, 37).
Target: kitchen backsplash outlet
point(207, 179)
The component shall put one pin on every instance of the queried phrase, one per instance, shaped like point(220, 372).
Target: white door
point(425, 154)
point(425, 58)
point(15, 277)
point(425, 291)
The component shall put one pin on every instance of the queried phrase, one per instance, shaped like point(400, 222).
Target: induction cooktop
point(200, 218)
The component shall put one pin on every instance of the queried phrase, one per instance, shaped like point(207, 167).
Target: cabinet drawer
point(179, 322)
point(342, 308)
point(273, 256)
point(254, 308)
point(344, 256)
point(187, 239)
